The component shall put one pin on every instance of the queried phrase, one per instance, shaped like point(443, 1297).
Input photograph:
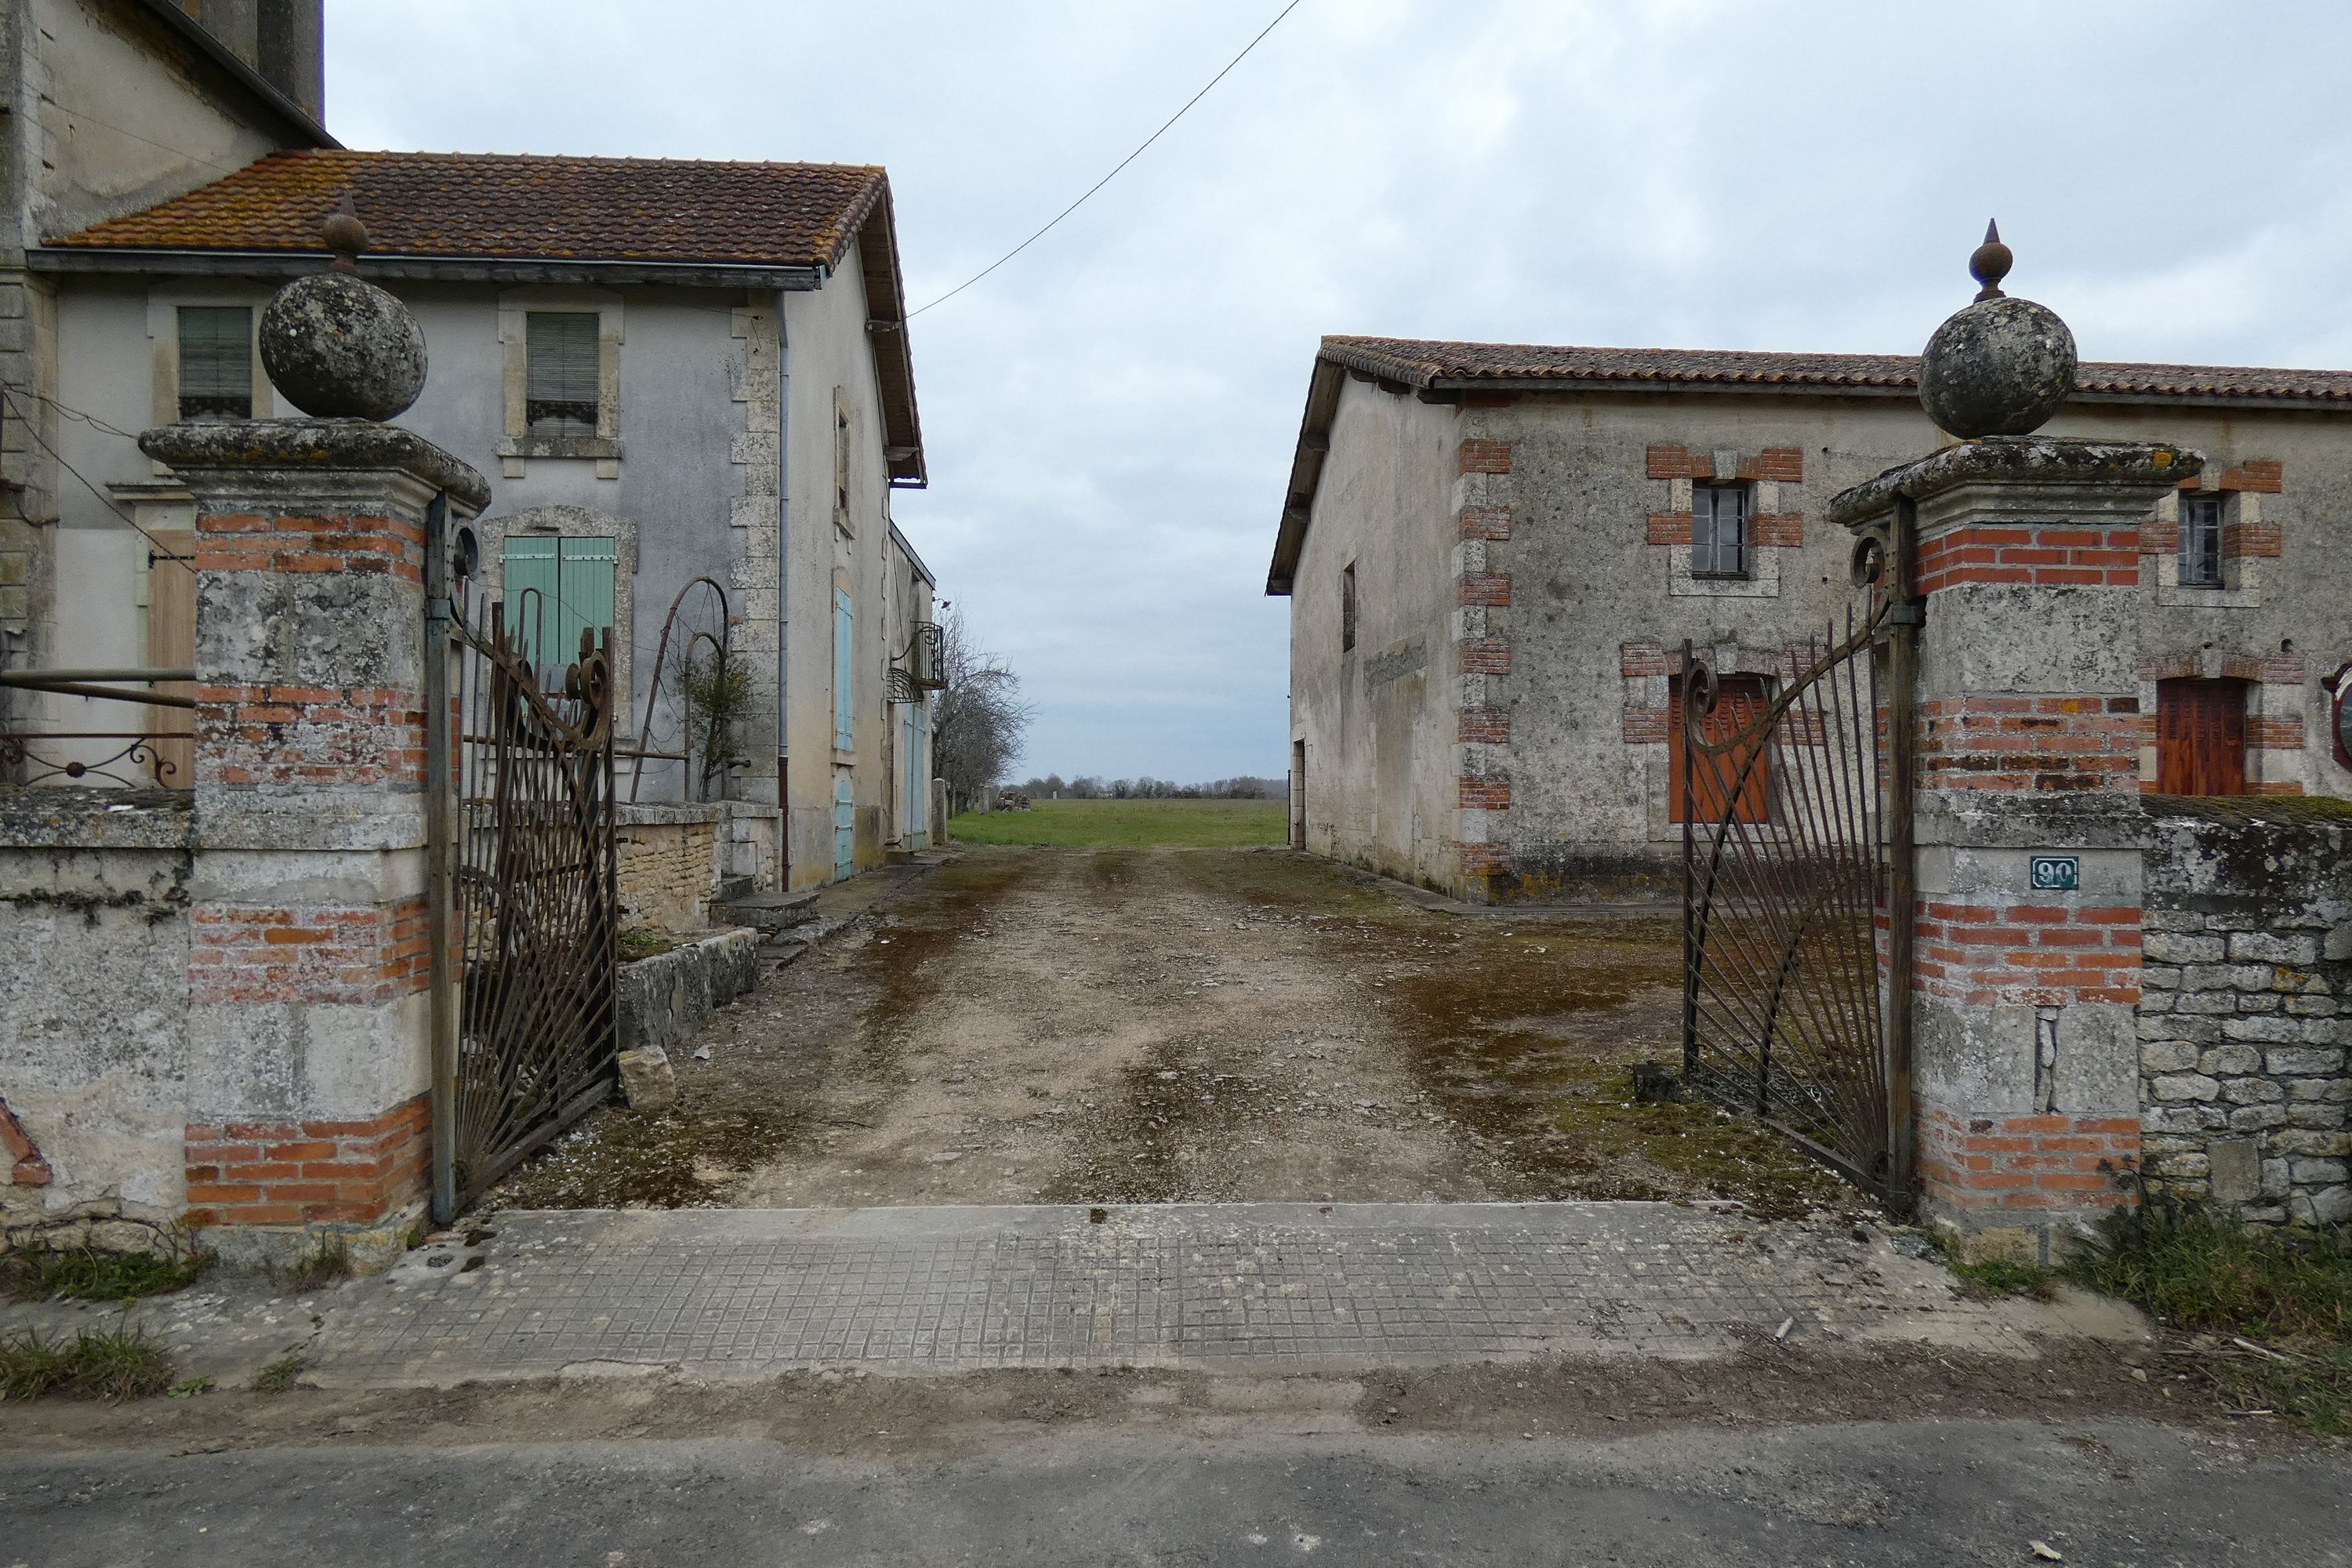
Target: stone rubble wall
point(669, 997)
point(2247, 1006)
point(668, 865)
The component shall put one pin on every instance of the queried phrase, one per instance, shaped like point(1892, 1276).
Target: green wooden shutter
point(845, 626)
point(584, 589)
point(561, 375)
point(216, 362)
point(530, 596)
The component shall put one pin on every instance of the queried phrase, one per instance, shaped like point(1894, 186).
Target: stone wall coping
point(72, 818)
point(644, 814)
point(317, 445)
point(2034, 460)
point(2252, 810)
point(2085, 819)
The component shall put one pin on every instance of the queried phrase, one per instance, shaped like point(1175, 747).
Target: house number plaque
point(2055, 873)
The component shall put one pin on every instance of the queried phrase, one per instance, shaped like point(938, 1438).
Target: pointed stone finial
point(1990, 262)
point(345, 235)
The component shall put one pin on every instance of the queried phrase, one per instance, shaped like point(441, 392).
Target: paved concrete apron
point(744, 1292)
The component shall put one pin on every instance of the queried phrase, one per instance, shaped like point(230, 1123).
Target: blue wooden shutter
point(530, 596)
point(845, 666)
point(560, 372)
point(585, 593)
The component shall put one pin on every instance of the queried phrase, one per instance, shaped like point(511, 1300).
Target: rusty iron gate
point(523, 905)
point(1794, 823)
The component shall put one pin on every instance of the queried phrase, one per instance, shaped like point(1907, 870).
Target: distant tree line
point(1248, 786)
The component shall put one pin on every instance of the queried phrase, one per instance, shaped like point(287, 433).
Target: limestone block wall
point(667, 857)
point(93, 1014)
point(2247, 1006)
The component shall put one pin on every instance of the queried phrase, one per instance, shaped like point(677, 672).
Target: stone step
point(768, 913)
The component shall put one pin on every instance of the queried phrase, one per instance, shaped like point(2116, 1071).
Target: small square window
point(216, 362)
point(1348, 607)
point(2201, 541)
point(560, 373)
point(1718, 530)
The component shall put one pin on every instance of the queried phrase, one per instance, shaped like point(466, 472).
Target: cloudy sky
point(1109, 418)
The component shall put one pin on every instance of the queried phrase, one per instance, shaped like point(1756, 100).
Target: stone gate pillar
point(2017, 558)
point(2028, 733)
point(308, 1026)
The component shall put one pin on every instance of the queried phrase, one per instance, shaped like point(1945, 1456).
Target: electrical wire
point(162, 551)
point(1106, 179)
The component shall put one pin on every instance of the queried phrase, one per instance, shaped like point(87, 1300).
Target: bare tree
point(978, 721)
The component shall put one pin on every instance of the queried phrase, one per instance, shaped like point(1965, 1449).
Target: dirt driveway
point(1046, 1026)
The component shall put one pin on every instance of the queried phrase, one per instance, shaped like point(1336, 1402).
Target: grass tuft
point(111, 1365)
point(279, 1374)
point(2004, 1277)
point(2288, 1292)
point(44, 1274)
point(331, 1261)
point(2193, 1269)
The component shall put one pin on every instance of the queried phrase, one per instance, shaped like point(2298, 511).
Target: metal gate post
point(1682, 760)
point(1904, 618)
point(440, 853)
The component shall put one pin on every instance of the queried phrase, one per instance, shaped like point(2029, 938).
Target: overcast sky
point(1109, 418)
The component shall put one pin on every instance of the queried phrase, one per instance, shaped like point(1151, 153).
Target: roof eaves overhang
point(265, 264)
point(885, 328)
point(1452, 389)
point(913, 560)
point(223, 59)
point(1305, 472)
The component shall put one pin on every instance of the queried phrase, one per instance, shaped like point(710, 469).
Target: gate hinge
point(1906, 615)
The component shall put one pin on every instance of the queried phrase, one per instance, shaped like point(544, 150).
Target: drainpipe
point(783, 573)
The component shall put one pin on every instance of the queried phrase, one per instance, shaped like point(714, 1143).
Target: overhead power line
point(1122, 164)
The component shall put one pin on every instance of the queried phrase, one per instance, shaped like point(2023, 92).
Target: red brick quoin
point(297, 1173)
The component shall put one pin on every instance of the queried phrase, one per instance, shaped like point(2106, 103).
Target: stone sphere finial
point(2002, 365)
point(334, 343)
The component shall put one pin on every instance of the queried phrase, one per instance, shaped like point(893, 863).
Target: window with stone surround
point(560, 376)
point(2201, 541)
point(1719, 530)
point(216, 371)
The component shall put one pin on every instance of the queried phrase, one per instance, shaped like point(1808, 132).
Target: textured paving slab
point(745, 1292)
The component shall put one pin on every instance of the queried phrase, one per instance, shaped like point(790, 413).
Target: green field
point(1128, 823)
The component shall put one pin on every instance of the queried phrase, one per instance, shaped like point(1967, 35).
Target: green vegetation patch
point(44, 1274)
point(2281, 1298)
point(1129, 824)
point(113, 1364)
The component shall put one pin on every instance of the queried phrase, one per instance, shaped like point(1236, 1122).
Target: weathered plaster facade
point(1523, 584)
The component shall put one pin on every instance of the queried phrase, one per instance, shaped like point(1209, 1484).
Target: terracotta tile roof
point(499, 205)
point(1422, 364)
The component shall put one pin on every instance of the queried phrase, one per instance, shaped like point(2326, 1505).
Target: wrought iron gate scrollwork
point(526, 1035)
point(1786, 853)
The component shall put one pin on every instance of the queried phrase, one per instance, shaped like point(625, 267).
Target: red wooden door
point(1739, 703)
point(2201, 737)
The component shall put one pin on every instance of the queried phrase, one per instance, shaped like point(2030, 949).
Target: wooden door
point(172, 645)
point(1739, 703)
point(2201, 737)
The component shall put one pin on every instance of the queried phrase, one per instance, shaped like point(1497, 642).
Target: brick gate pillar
point(309, 1027)
point(2028, 734)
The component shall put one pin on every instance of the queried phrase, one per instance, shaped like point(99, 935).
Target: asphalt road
point(2104, 1493)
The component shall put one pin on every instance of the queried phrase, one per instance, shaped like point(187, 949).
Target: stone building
point(1495, 553)
point(672, 370)
point(115, 105)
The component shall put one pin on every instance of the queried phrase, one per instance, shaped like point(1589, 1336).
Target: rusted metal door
point(1787, 854)
point(524, 891)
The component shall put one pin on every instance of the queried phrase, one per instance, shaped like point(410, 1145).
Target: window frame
point(1706, 543)
point(536, 357)
point(2199, 560)
point(521, 444)
point(180, 363)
